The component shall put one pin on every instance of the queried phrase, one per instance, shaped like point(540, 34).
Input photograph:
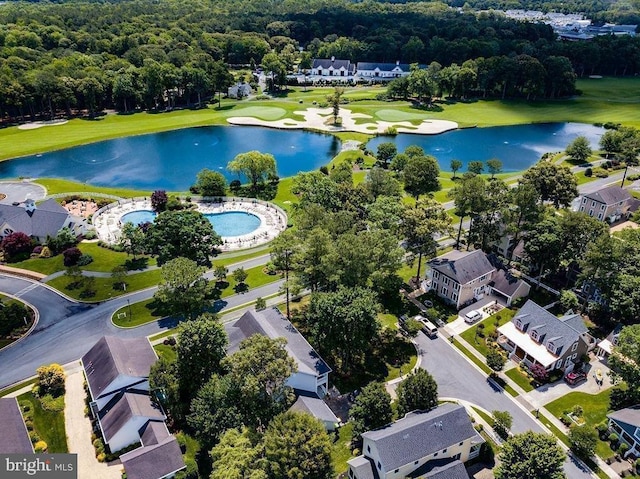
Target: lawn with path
point(478, 334)
point(49, 425)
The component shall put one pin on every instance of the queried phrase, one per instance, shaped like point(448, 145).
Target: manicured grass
point(486, 417)
point(56, 186)
point(520, 378)
point(48, 424)
point(389, 321)
point(104, 288)
point(262, 112)
point(165, 351)
point(341, 449)
point(595, 408)
point(582, 179)
point(472, 335)
point(16, 387)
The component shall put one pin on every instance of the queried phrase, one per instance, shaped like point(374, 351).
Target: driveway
point(78, 428)
point(17, 191)
point(459, 325)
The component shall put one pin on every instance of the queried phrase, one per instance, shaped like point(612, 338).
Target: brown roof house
point(117, 372)
point(14, 438)
point(610, 204)
point(432, 445)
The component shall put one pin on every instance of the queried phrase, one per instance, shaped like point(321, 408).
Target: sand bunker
point(320, 119)
point(40, 124)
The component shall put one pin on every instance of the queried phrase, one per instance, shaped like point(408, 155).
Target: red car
point(575, 377)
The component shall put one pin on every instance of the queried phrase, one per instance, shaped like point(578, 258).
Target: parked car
point(428, 327)
point(472, 316)
point(575, 377)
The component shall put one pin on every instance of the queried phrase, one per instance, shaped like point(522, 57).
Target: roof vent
point(406, 436)
point(438, 425)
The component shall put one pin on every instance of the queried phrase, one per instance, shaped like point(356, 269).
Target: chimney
point(29, 206)
point(397, 62)
point(333, 59)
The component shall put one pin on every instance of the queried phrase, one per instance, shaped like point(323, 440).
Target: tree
point(468, 197)
point(524, 212)
point(343, 323)
point(201, 346)
point(455, 166)
point(502, 422)
point(552, 182)
point(385, 153)
point(625, 360)
point(531, 454)
point(495, 359)
point(240, 275)
point(421, 175)
point(71, 256)
point(569, 300)
point(380, 182)
point(475, 167)
point(163, 382)
point(211, 183)
point(63, 240)
point(159, 200)
point(494, 166)
point(236, 456)
point(272, 63)
point(184, 233)
point(419, 391)
point(283, 250)
point(51, 380)
point(220, 273)
point(296, 445)
point(254, 165)
point(583, 440)
point(421, 224)
point(371, 409)
point(119, 276)
point(579, 149)
point(543, 244)
point(183, 288)
point(334, 101)
point(539, 373)
point(132, 239)
point(16, 243)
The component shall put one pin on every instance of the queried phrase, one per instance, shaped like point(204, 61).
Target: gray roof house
point(536, 336)
point(332, 68)
point(626, 423)
point(318, 409)
point(313, 373)
point(422, 444)
point(117, 372)
point(37, 222)
point(382, 71)
point(15, 437)
point(609, 204)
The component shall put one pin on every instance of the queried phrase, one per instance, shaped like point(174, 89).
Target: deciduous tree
point(553, 183)
point(254, 165)
point(531, 454)
point(421, 175)
point(579, 149)
point(418, 391)
point(372, 409)
point(583, 440)
point(183, 288)
point(210, 183)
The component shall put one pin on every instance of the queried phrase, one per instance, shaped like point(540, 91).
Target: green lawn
point(166, 351)
point(595, 408)
point(520, 378)
point(104, 288)
point(389, 321)
point(56, 186)
point(341, 449)
point(16, 387)
point(473, 334)
point(49, 425)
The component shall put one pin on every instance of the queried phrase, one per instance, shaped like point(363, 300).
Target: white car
point(472, 316)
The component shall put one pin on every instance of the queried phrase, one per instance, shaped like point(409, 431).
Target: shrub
point(52, 404)
point(71, 256)
point(90, 234)
point(624, 447)
point(28, 423)
point(16, 243)
point(51, 380)
point(613, 438)
point(26, 408)
point(412, 327)
point(101, 457)
point(46, 252)
point(37, 250)
point(84, 260)
point(40, 447)
point(33, 436)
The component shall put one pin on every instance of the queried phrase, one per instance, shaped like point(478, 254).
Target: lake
point(517, 146)
point(171, 160)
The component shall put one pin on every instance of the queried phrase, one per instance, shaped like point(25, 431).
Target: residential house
point(318, 409)
point(382, 71)
point(504, 284)
point(15, 437)
point(312, 376)
point(239, 90)
point(605, 347)
point(626, 424)
point(37, 222)
point(117, 372)
point(431, 444)
point(609, 204)
point(535, 336)
point(332, 68)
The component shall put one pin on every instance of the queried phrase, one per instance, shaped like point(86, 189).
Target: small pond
point(517, 146)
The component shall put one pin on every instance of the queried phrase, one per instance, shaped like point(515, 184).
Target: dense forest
point(86, 56)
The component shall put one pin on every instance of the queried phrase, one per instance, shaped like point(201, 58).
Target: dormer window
point(534, 336)
point(551, 347)
point(518, 324)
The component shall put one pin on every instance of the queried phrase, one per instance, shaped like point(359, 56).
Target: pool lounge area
point(241, 222)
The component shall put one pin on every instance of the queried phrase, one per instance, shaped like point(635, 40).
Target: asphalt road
point(458, 378)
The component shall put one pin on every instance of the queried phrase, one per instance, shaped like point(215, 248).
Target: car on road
point(428, 327)
point(472, 316)
point(575, 377)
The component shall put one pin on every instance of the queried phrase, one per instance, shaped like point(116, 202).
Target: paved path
point(78, 427)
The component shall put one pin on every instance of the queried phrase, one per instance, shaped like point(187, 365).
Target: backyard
point(48, 424)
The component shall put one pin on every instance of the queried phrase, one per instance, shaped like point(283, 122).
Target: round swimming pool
point(231, 223)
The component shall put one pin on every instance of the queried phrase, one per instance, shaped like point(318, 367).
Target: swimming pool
point(227, 224)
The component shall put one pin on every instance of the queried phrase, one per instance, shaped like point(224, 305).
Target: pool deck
point(272, 220)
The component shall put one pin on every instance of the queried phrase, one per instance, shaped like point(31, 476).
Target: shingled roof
point(609, 195)
point(316, 407)
point(326, 63)
point(154, 462)
point(46, 220)
point(629, 416)
point(383, 67)
point(112, 356)
point(420, 434)
point(125, 407)
point(462, 266)
point(14, 438)
point(271, 323)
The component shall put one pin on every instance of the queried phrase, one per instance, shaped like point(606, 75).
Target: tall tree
point(421, 175)
point(132, 239)
point(372, 409)
point(254, 165)
point(237, 457)
point(531, 454)
point(625, 361)
point(552, 182)
point(468, 197)
point(334, 101)
point(283, 250)
point(579, 149)
point(183, 288)
point(523, 213)
point(455, 167)
point(210, 183)
point(475, 167)
point(418, 391)
point(385, 153)
point(494, 166)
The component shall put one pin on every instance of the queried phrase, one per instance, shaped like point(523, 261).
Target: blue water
point(232, 223)
point(171, 160)
point(517, 146)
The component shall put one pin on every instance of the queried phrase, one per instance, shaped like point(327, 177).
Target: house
point(431, 444)
point(37, 222)
point(609, 204)
point(504, 284)
point(332, 67)
point(318, 409)
point(382, 71)
point(117, 372)
point(626, 424)
point(535, 336)
point(15, 437)
point(312, 376)
point(239, 90)
point(605, 347)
